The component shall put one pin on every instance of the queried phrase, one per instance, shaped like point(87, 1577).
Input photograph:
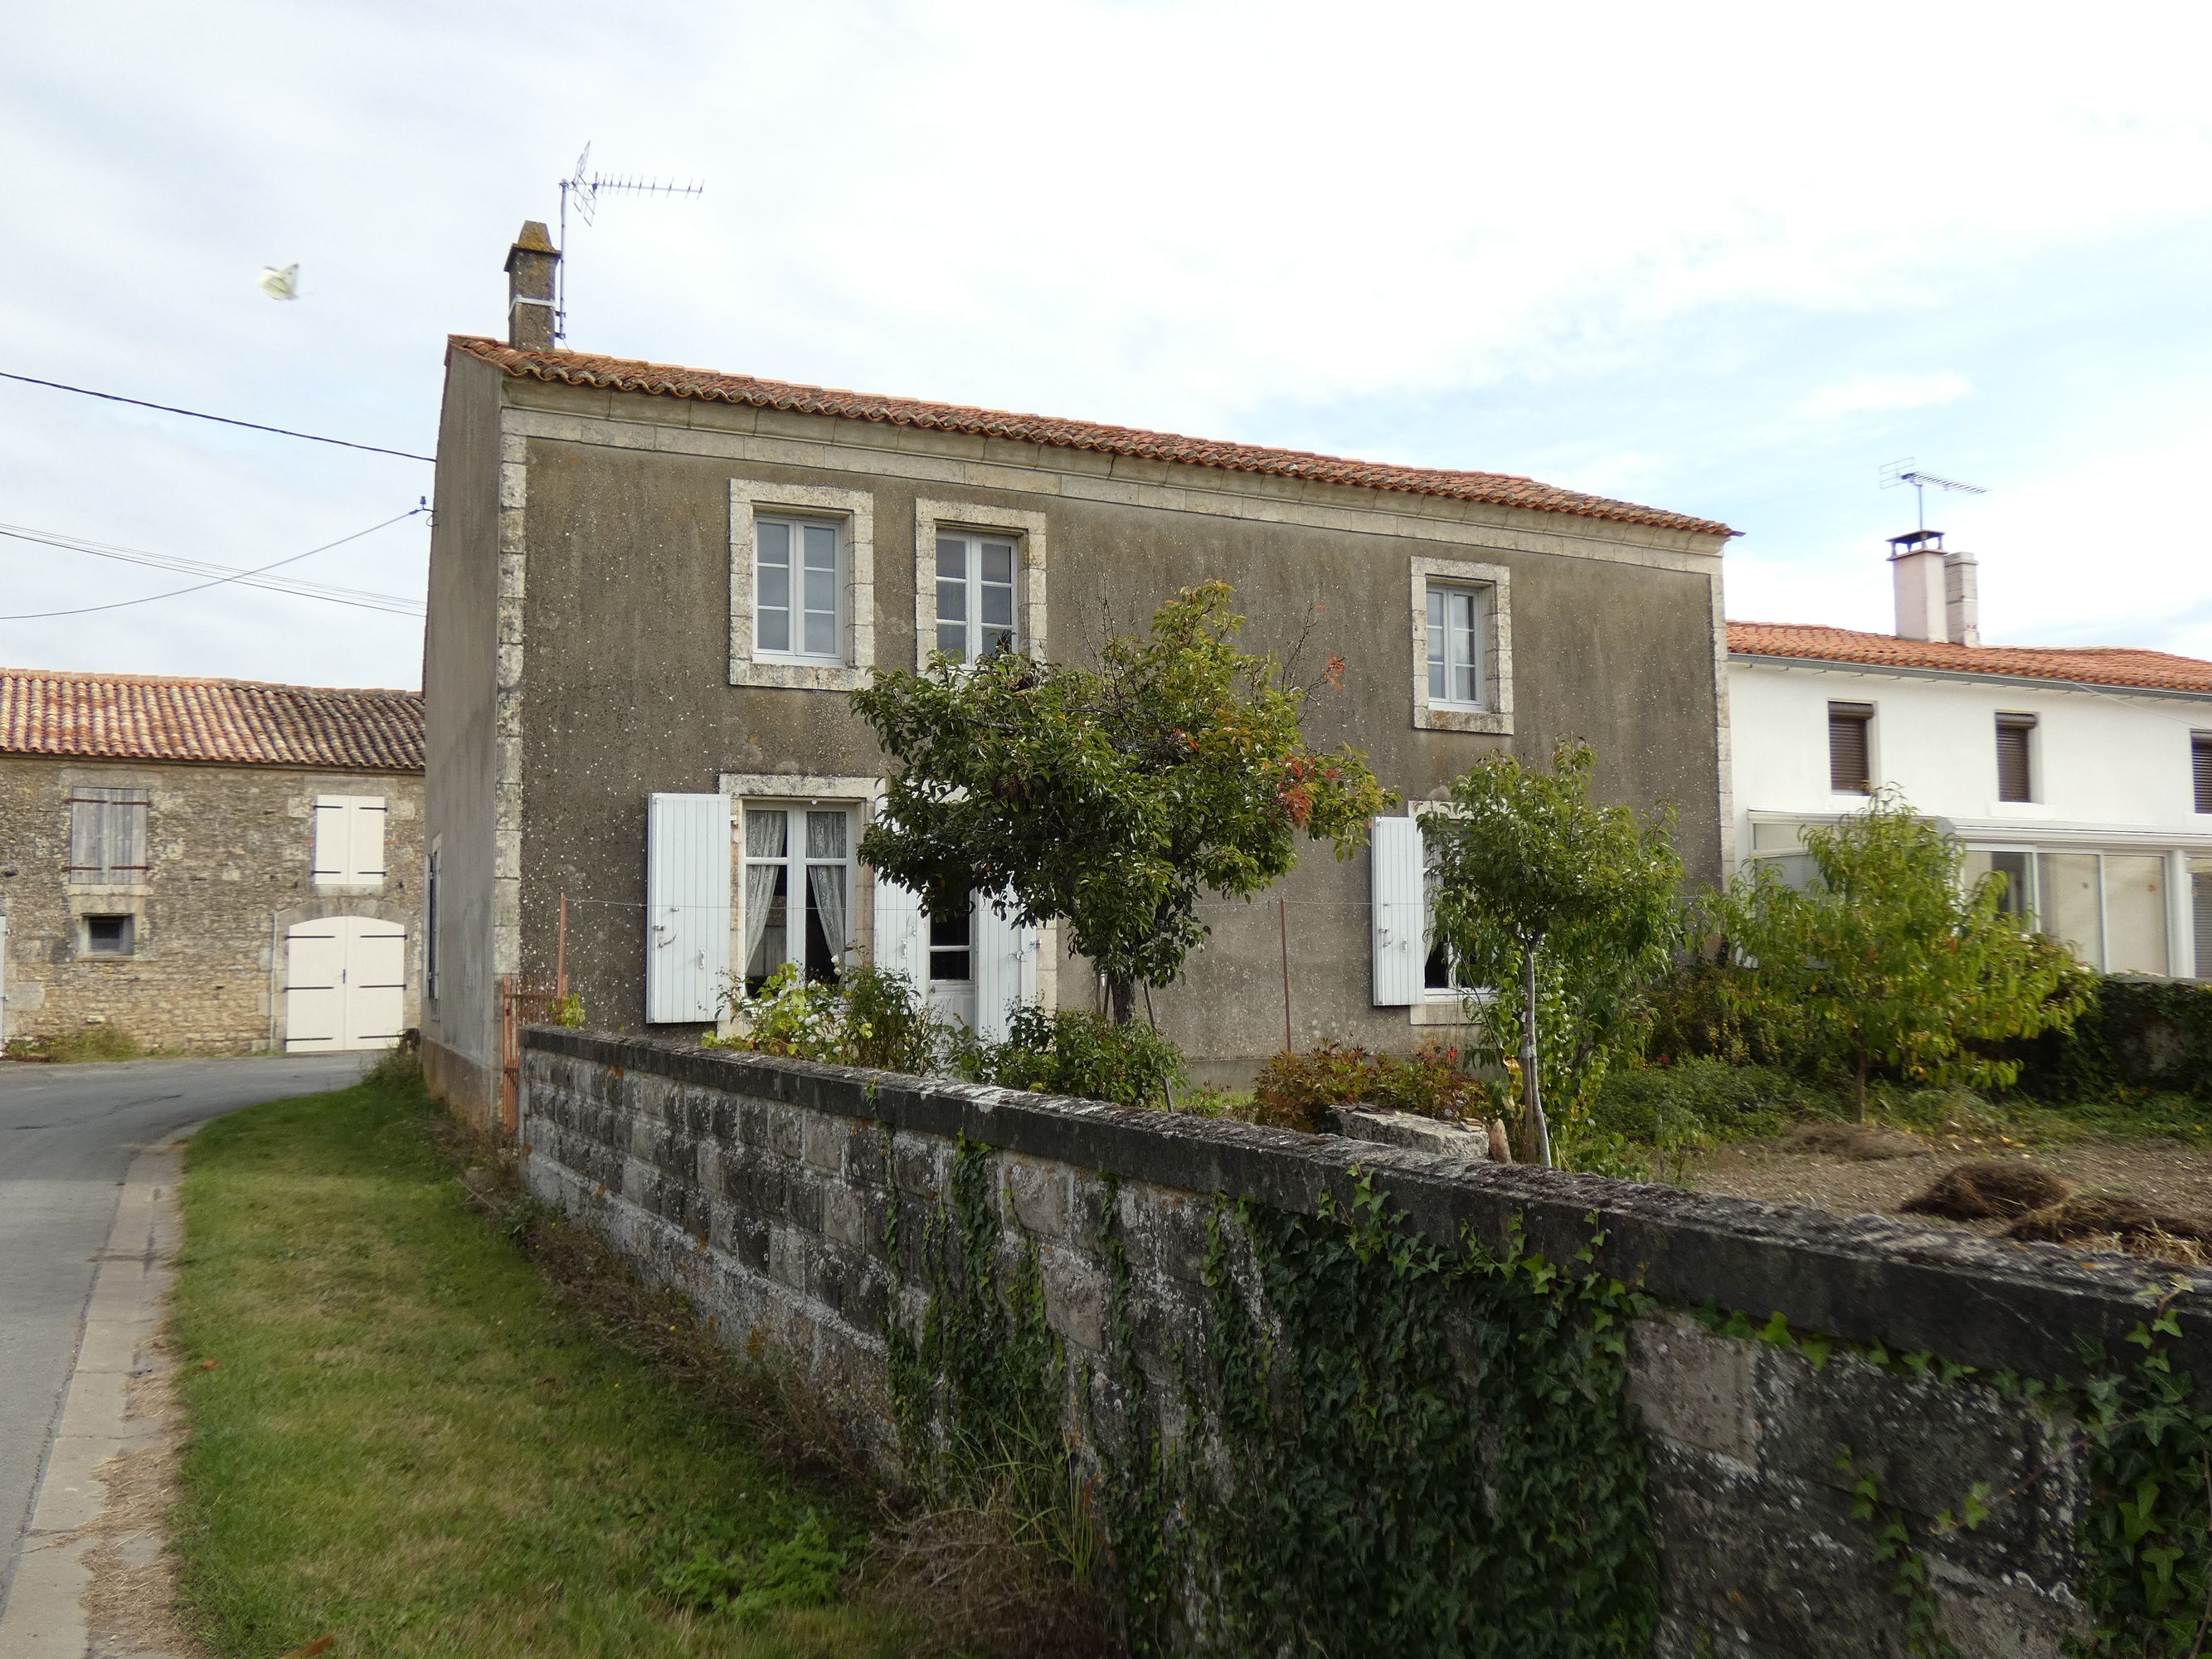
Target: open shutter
point(1005, 970)
point(367, 839)
point(901, 943)
point(332, 837)
point(687, 907)
point(1400, 928)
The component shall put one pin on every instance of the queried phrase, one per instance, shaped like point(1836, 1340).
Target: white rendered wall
point(2110, 771)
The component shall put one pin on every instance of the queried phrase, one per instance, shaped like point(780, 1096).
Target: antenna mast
point(585, 186)
point(1905, 472)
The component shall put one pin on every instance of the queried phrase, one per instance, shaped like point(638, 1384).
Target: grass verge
point(404, 1437)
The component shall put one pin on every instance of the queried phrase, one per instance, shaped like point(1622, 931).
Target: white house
point(2085, 775)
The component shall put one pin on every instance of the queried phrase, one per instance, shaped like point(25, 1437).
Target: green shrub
point(1651, 1120)
point(1074, 1052)
point(1295, 1090)
point(716, 1573)
point(89, 1042)
point(396, 1070)
point(2138, 1035)
point(869, 1018)
point(1708, 1008)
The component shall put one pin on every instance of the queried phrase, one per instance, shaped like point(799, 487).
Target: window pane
point(827, 914)
point(775, 542)
point(951, 600)
point(999, 562)
point(822, 587)
point(953, 638)
point(2072, 912)
point(1437, 673)
point(993, 641)
point(772, 588)
point(998, 605)
point(951, 956)
point(821, 541)
point(825, 835)
point(952, 558)
point(1467, 652)
point(2135, 914)
point(768, 829)
point(821, 635)
point(765, 921)
point(772, 627)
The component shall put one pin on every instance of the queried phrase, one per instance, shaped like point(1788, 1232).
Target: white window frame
point(1446, 634)
point(979, 518)
point(797, 613)
point(853, 512)
point(803, 790)
point(1492, 586)
point(2032, 906)
point(796, 862)
point(1445, 1005)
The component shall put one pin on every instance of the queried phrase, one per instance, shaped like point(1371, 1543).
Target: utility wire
point(197, 587)
point(223, 420)
point(367, 599)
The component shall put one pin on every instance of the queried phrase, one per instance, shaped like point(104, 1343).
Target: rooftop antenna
point(1905, 472)
point(585, 185)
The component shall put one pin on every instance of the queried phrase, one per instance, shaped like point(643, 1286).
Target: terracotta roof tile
point(581, 368)
point(244, 722)
point(2089, 665)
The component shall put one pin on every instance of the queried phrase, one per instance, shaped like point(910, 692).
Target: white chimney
point(1916, 563)
point(1962, 600)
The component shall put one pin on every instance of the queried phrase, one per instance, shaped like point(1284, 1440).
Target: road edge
point(43, 1617)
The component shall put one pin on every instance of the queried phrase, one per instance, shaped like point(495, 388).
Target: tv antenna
point(1905, 472)
point(584, 186)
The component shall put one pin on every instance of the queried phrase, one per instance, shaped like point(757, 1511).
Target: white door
point(345, 980)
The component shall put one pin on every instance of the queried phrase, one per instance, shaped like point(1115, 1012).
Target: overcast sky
point(1725, 261)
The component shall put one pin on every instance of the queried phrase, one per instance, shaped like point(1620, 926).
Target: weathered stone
point(1692, 1386)
point(843, 1217)
point(825, 1139)
point(1040, 1194)
point(1422, 1134)
point(1075, 1298)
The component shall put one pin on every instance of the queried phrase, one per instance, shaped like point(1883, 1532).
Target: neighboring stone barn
point(652, 589)
point(215, 867)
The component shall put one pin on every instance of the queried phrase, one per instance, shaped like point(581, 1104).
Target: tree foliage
point(1563, 909)
point(1889, 961)
point(1111, 798)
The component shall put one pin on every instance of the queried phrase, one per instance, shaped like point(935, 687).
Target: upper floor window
point(802, 586)
point(1851, 760)
point(2016, 741)
point(348, 849)
point(2200, 755)
point(1463, 646)
point(975, 579)
point(108, 836)
point(797, 589)
point(1455, 675)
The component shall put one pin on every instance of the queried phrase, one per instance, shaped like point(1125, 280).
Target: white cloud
point(1874, 394)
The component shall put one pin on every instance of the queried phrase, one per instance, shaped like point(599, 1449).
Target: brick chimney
point(1962, 599)
point(530, 264)
point(1917, 566)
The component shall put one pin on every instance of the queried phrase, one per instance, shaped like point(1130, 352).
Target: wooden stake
point(1283, 920)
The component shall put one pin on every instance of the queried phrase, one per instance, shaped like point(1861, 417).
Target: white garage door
point(345, 984)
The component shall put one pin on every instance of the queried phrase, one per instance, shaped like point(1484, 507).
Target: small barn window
point(2016, 778)
point(108, 836)
point(1850, 771)
point(110, 936)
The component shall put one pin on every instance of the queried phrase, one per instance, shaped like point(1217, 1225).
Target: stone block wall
point(230, 852)
point(785, 1200)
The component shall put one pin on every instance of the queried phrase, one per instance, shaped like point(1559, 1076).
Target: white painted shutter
point(687, 907)
point(365, 839)
point(331, 836)
point(901, 942)
point(1400, 926)
point(4, 978)
point(1005, 970)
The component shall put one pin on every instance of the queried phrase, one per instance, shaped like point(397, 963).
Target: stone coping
point(1977, 1302)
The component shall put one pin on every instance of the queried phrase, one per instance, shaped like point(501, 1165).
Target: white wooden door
point(345, 984)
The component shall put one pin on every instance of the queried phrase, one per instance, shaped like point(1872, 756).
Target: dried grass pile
point(1990, 1189)
point(1865, 1142)
point(2113, 1221)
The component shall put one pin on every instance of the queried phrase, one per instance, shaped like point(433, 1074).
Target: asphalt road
point(66, 1137)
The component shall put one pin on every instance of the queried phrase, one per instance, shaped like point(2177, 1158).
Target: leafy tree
point(1566, 908)
point(1889, 960)
point(1112, 797)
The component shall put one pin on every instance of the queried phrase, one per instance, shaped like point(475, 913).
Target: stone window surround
point(750, 497)
point(1496, 716)
point(1028, 530)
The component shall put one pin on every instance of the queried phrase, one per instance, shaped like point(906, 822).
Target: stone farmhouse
point(2083, 774)
point(214, 866)
point(652, 587)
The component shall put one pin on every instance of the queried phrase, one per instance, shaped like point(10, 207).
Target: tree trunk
point(1535, 1134)
point(1122, 1000)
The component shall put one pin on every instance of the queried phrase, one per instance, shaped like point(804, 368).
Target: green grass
point(401, 1434)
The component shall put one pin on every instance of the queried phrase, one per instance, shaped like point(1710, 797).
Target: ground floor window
point(110, 936)
point(797, 890)
point(1439, 972)
point(2017, 866)
point(2200, 883)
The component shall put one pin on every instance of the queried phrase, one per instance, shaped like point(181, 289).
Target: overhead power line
point(221, 420)
point(368, 599)
point(199, 587)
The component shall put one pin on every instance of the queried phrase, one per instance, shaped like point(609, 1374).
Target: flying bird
point(280, 284)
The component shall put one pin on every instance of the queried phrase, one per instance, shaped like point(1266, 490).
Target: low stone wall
point(829, 1214)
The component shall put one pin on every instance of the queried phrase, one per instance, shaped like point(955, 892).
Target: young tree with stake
point(1564, 908)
